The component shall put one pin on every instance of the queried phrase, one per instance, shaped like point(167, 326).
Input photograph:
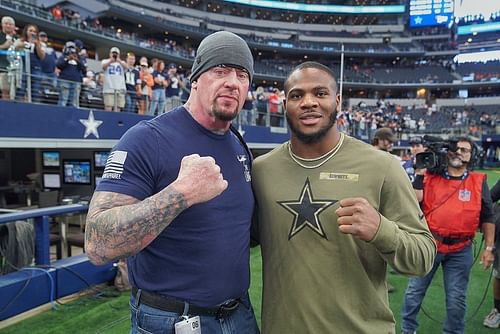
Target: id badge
point(188, 326)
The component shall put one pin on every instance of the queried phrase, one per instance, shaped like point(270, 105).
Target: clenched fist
point(358, 217)
point(199, 179)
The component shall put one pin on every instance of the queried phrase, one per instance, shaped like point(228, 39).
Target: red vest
point(452, 209)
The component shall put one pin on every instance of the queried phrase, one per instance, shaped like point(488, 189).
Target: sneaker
point(492, 320)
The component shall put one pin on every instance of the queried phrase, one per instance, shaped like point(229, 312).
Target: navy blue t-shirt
point(203, 256)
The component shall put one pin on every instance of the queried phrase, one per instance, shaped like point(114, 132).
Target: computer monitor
point(76, 171)
point(100, 158)
point(51, 159)
point(51, 181)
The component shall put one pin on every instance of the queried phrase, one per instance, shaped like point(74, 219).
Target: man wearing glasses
point(455, 202)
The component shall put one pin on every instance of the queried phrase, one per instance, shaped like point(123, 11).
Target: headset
point(476, 154)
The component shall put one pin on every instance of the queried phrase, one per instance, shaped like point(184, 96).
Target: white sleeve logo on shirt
point(114, 165)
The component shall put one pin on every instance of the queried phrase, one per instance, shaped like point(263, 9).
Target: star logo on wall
point(91, 125)
point(306, 211)
point(418, 20)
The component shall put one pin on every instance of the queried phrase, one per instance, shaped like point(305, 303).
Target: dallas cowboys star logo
point(306, 211)
point(91, 125)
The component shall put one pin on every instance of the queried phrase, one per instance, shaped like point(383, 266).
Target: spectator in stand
point(185, 86)
point(29, 42)
point(82, 51)
point(146, 91)
point(172, 90)
point(7, 37)
point(274, 108)
point(57, 13)
point(160, 82)
point(49, 62)
point(70, 76)
point(261, 103)
point(248, 108)
point(89, 81)
point(114, 81)
point(133, 84)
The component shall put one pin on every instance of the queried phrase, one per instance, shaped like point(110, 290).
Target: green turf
point(108, 312)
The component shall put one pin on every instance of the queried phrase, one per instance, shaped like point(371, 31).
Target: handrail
point(42, 230)
point(36, 213)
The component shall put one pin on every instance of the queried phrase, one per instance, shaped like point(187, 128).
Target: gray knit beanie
point(222, 48)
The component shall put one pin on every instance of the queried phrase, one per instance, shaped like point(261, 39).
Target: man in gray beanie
point(176, 200)
point(222, 48)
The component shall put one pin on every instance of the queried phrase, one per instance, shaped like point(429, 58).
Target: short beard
point(222, 116)
point(455, 162)
point(314, 137)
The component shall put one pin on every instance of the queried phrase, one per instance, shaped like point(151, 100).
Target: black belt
point(176, 306)
point(450, 241)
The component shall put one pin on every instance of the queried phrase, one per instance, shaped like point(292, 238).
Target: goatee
point(313, 137)
point(224, 116)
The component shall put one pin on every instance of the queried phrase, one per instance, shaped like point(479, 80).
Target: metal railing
point(40, 218)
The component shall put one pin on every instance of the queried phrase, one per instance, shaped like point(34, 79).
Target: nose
point(231, 79)
point(309, 101)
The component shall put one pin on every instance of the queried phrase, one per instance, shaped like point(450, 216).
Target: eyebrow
point(316, 88)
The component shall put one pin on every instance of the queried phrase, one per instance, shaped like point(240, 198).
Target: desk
point(3, 191)
point(26, 189)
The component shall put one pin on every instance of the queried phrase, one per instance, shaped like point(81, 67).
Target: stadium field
point(107, 311)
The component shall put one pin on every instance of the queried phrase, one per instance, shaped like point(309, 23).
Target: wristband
point(418, 183)
point(489, 248)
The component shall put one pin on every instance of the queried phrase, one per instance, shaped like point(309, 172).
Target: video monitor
point(51, 159)
point(77, 171)
point(100, 158)
point(51, 181)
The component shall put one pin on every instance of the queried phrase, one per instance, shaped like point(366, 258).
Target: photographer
point(71, 75)
point(456, 202)
point(114, 81)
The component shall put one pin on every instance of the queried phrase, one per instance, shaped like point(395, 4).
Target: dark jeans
point(146, 319)
point(456, 272)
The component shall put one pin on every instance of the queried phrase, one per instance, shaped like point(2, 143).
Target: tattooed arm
point(120, 225)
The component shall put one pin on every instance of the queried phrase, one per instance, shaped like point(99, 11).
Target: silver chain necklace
point(325, 157)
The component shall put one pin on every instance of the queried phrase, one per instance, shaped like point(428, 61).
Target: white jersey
point(114, 77)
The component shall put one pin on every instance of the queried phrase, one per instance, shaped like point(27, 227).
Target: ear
point(194, 84)
point(338, 107)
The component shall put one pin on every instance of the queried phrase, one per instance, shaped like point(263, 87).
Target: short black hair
point(310, 64)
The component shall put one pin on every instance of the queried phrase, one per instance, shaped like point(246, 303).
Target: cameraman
point(455, 201)
point(114, 87)
point(70, 76)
